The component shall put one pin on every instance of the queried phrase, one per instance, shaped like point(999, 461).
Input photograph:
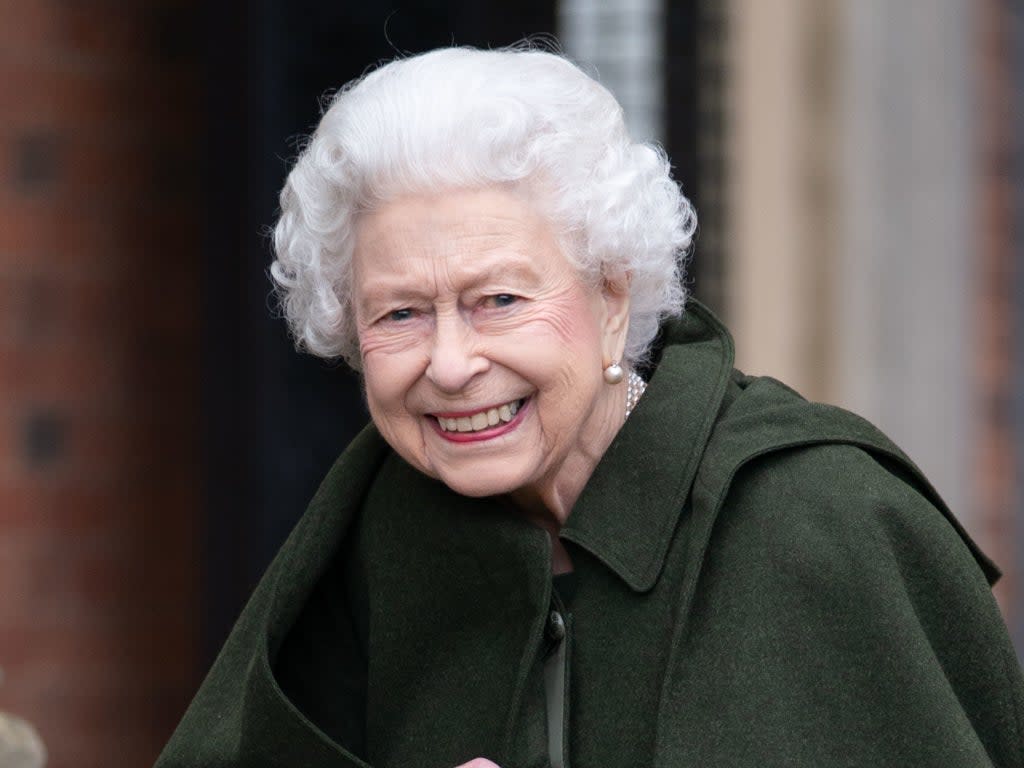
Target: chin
point(480, 484)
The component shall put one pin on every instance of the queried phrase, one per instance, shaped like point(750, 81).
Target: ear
point(615, 317)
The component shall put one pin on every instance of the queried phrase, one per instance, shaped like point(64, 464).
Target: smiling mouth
point(481, 420)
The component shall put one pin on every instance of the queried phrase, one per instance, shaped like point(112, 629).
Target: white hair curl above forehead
point(466, 118)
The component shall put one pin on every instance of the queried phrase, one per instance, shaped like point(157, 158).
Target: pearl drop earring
point(614, 374)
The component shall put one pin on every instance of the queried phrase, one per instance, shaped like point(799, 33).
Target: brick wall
point(99, 381)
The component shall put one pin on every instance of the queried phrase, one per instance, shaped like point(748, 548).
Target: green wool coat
point(761, 581)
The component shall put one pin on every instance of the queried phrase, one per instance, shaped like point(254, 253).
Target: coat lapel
point(629, 510)
point(459, 590)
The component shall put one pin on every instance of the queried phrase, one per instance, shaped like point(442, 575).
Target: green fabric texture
point(759, 581)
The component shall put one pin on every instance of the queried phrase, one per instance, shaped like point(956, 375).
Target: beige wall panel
point(766, 299)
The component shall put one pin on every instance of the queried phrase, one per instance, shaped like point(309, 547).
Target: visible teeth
point(480, 420)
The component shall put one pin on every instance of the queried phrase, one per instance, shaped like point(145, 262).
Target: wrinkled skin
point(464, 302)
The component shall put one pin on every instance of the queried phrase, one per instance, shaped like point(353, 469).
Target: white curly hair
point(467, 118)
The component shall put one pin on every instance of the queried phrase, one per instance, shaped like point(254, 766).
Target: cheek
point(388, 379)
point(567, 321)
point(383, 341)
point(389, 358)
point(558, 346)
point(568, 335)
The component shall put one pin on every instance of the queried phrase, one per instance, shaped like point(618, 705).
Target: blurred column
point(905, 276)
point(781, 229)
point(622, 41)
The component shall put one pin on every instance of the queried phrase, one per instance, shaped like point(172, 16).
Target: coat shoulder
point(838, 601)
point(773, 451)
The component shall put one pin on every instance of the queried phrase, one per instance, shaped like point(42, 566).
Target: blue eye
point(504, 299)
point(398, 315)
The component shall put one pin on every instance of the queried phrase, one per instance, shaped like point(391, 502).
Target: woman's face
point(482, 348)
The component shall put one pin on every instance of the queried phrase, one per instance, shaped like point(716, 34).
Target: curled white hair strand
point(465, 118)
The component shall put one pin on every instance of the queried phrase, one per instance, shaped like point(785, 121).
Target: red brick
point(48, 96)
point(112, 662)
point(32, 25)
point(99, 559)
point(87, 729)
point(114, 37)
point(41, 305)
point(26, 504)
point(118, 169)
point(137, 446)
point(43, 572)
point(125, 106)
point(81, 239)
point(73, 505)
point(62, 372)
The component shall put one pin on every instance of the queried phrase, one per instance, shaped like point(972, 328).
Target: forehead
point(465, 229)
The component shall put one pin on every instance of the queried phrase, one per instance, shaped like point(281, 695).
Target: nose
point(455, 356)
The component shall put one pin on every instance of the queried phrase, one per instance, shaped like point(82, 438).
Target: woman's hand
point(479, 762)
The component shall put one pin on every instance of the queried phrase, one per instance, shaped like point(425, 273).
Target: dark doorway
point(275, 420)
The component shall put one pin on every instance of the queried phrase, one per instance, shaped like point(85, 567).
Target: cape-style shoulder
point(766, 417)
point(868, 633)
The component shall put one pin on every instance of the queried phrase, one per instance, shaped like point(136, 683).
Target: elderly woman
point(554, 545)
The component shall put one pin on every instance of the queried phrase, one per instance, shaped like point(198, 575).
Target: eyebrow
point(401, 288)
point(381, 293)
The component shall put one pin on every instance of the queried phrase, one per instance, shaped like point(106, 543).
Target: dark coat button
point(556, 626)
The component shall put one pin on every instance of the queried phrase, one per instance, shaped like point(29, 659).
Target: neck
point(548, 504)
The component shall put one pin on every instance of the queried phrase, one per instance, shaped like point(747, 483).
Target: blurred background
point(857, 171)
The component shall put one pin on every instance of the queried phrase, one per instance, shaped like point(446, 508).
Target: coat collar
point(629, 509)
